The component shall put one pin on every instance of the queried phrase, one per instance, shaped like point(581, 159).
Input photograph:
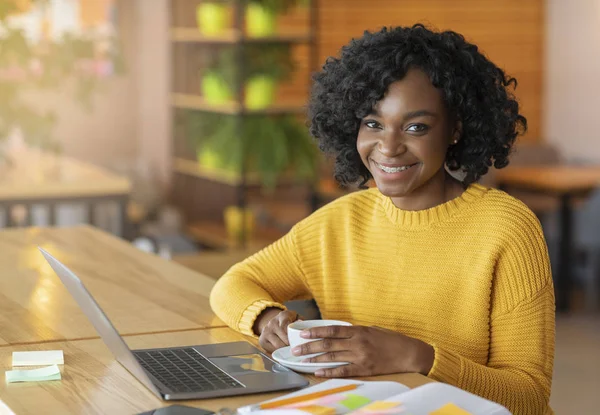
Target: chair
point(586, 222)
point(532, 154)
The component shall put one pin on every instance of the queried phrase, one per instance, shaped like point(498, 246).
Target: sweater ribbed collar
point(436, 214)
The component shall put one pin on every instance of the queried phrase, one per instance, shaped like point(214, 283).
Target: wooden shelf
point(281, 214)
point(197, 102)
point(297, 31)
point(232, 36)
point(214, 235)
point(190, 34)
point(193, 168)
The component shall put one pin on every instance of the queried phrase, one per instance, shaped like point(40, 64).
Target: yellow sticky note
point(317, 410)
point(381, 405)
point(450, 409)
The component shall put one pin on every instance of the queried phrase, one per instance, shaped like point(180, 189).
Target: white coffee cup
point(297, 327)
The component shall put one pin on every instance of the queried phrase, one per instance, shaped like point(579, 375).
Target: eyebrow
point(408, 115)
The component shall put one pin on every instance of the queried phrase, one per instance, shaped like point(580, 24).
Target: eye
point(417, 128)
point(372, 124)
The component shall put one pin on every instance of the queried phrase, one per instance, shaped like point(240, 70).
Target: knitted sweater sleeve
point(518, 373)
point(266, 279)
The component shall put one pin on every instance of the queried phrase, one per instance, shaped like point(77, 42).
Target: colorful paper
point(354, 402)
point(34, 375)
point(48, 357)
point(318, 410)
point(327, 400)
point(450, 409)
point(379, 405)
point(381, 408)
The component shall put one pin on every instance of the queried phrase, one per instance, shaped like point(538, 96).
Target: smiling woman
point(457, 83)
point(403, 143)
point(436, 275)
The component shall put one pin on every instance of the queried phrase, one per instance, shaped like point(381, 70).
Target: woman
point(438, 275)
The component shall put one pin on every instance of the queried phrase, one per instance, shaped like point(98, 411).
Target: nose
point(391, 145)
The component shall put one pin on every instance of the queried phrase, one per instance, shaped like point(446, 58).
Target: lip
point(399, 175)
point(394, 165)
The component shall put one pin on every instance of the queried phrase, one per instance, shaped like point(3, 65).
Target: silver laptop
point(191, 372)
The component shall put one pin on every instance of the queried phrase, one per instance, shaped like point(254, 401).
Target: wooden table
point(34, 177)
point(152, 303)
point(94, 383)
point(140, 293)
point(565, 183)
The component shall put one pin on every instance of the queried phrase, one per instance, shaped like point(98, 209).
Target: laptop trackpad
point(254, 362)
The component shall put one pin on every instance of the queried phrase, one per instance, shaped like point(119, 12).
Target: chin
point(394, 191)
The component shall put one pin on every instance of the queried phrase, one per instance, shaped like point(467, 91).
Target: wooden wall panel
point(509, 32)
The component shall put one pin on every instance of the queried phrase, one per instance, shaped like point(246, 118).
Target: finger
point(339, 372)
point(343, 356)
point(268, 346)
point(287, 317)
point(276, 341)
point(334, 332)
point(320, 346)
point(264, 343)
point(281, 332)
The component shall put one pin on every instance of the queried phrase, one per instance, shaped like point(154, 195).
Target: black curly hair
point(473, 88)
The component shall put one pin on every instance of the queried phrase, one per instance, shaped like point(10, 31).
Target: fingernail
point(305, 334)
point(296, 351)
point(319, 373)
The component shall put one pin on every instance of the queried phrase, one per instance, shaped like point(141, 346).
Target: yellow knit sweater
point(471, 277)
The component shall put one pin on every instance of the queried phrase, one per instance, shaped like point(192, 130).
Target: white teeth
point(392, 169)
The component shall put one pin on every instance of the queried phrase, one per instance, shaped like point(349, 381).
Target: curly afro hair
point(473, 88)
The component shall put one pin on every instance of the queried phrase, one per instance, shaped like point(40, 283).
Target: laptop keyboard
point(185, 370)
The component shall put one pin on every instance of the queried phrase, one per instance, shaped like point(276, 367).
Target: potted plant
point(212, 17)
point(240, 224)
point(268, 147)
point(265, 66)
point(261, 15)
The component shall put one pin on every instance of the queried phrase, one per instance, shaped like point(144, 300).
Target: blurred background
point(180, 125)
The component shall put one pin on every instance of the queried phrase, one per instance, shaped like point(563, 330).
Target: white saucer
point(285, 357)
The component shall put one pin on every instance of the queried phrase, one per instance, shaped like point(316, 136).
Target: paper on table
point(5, 410)
point(341, 403)
point(353, 401)
point(450, 409)
point(33, 375)
point(48, 357)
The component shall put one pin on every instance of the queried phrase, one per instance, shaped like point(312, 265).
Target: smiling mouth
point(393, 169)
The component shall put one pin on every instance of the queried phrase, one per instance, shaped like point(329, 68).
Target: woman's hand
point(272, 328)
point(369, 350)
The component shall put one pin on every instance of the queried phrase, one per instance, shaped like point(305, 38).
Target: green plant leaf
point(59, 63)
point(272, 60)
point(268, 145)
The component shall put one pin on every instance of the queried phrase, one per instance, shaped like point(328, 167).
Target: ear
point(456, 133)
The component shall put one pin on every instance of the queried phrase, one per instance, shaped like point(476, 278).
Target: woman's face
point(404, 141)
